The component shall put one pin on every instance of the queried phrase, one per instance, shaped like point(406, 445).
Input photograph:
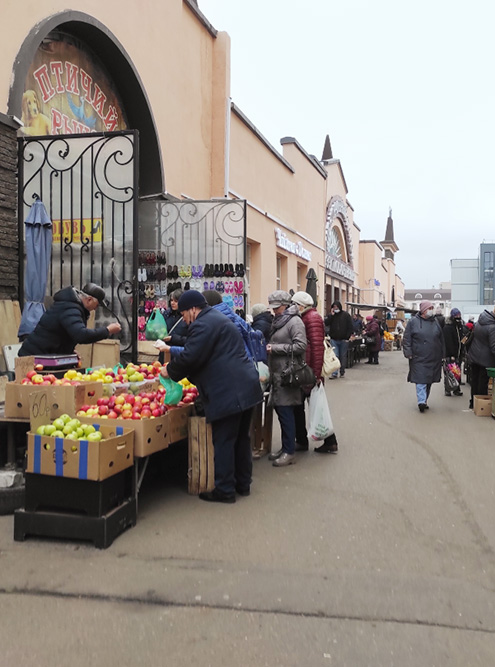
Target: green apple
point(58, 434)
point(71, 436)
point(67, 429)
point(79, 431)
point(50, 429)
point(40, 430)
point(94, 437)
point(65, 418)
point(58, 423)
point(73, 423)
point(88, 428)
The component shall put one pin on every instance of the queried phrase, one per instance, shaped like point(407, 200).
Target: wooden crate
point(201, 466)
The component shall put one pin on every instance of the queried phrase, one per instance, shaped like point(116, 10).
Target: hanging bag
point(156, 327)
point(320, 420)
point(297, 373)
point(331, 362)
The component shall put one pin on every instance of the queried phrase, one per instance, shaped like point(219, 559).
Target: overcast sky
point(406, 92)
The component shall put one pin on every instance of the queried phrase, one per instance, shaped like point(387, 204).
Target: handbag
point(297, 373)
point(331, 362)
point(369, 340)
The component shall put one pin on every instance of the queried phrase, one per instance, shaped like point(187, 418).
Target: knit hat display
point(279, 298)
point(455, 312)
point(303, 299)
point(190, 299)
point(424, 306)
point(258, 308)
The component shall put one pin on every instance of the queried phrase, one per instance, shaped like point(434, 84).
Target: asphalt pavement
point(381, 555)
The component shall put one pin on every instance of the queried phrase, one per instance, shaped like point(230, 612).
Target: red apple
point(136, 415)
point(145, 412)
point(126, 414)
point(112, 415)
point(102, 401)
point(103, 410)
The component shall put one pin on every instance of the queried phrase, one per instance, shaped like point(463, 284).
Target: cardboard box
point(201, 457)
point(387, 345)
point(80, 459)
point(152, 435)
point(483, 406)
point(61, 398)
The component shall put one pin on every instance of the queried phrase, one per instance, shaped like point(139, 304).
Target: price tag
point(39, 408)
point(22, 366)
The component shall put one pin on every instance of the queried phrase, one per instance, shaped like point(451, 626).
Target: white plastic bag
point(264, 372)
point(331, 362)
point(320, 420)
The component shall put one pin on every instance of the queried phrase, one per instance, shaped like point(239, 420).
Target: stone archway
point(123, 74)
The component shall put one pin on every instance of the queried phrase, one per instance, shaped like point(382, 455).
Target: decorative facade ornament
point(338, 259)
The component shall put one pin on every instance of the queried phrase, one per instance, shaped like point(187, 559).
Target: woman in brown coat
point(315, 350)
point(372, 330)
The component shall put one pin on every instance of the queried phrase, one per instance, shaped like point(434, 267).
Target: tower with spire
point(388, 244)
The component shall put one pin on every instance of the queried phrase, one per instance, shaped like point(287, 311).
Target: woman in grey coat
point(424, 346)
point(288, 336)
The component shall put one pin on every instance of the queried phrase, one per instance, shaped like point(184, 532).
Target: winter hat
point(91, 289)
point(303, 299)
point(213, 298)
point(258, 308)
point(190, 299)
point(279, 298)
point(369, 317)
point(455, 312)
point(424, 306)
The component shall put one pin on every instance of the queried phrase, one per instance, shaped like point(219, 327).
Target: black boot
point(329, 446)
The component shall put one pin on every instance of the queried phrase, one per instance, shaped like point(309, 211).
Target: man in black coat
point(215, 360)
point(453, 333)
point(340, 329)
point(63, 326)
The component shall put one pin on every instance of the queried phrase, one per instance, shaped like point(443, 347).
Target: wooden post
point(201, 467)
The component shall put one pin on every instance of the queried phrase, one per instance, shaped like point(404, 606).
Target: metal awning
point(390, 309)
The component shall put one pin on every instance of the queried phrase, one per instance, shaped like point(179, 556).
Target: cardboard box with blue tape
point(82, 459)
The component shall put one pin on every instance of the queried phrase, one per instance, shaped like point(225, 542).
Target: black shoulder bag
point(297, 373)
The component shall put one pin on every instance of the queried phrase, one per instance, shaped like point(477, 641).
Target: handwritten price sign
point(40, 403)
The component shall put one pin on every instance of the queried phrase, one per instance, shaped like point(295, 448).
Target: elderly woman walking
point(424, 346)
point(287, 339)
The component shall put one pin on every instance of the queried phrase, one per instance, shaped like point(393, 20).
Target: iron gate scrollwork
point(88, 184)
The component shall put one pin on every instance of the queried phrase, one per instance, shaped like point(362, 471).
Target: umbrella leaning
point(38, 244)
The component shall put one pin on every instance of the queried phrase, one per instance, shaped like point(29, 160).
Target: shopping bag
point(320, 420)
point(331, 362)
point(173, 393)
point(156, 327)
point(450, 381)
point(264, 373)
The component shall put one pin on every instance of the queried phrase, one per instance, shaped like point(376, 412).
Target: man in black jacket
point(214, 359)
point(340, 329)
point(63, 326)
point(453, 332)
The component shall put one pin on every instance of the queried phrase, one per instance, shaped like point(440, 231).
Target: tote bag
point(331, 362)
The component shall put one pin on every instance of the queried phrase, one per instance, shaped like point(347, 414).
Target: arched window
point(437, 296)
point(335, 244)
point(418, 296)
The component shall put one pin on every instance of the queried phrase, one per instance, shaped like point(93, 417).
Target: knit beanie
point(303, 299)
point(455, 312)
point(189, 299)
point(424, 306)
point(258, 308)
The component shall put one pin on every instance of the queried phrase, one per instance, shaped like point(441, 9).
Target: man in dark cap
point(214, 359)
point(63, 325)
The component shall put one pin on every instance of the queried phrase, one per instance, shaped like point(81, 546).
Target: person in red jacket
point(315, 334)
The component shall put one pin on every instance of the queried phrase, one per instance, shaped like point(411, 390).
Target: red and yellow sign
point(81, 230)
point(67, 91)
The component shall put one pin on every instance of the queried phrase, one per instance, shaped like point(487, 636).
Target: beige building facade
point(162, 71)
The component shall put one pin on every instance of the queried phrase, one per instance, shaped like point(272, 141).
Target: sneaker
point(217, 496)
point(422, 407)
point(284, 460)
point(275, 455)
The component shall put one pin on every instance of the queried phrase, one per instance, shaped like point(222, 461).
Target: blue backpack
point(258, 345)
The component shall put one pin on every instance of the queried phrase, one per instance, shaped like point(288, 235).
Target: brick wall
point(9, 237)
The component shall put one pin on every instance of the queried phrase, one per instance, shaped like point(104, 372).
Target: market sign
point(82, 230)
point(340, 268)
point(295, 248)
point(67, 91)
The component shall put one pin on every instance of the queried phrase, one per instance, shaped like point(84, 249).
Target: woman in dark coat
point(262, 320)
point(481, 353)
point(315, 351)
point(372, 330)
point(215, 360)
point(423, 345)
point(288, 337)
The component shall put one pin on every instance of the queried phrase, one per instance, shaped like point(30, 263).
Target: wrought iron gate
point(88, 184)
